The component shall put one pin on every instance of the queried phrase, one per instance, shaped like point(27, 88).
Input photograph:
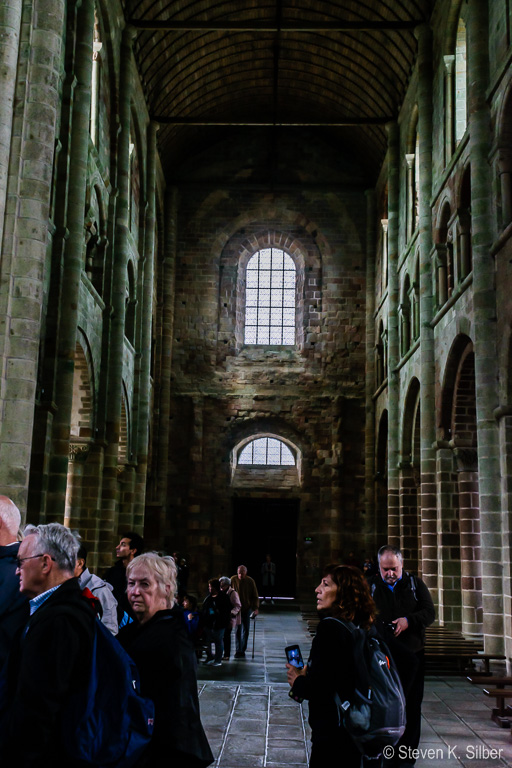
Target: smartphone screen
point(294, 656)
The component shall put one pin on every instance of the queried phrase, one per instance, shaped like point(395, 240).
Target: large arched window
point(270, 298)
point(266, 451)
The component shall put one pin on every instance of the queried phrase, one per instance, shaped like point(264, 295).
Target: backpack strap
point(412, 581)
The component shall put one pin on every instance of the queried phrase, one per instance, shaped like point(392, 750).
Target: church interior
point(254, 285)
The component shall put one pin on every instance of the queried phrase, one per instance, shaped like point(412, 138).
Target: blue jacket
point(14, 607)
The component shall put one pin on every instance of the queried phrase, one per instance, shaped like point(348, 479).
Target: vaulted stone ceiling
point(211, 66)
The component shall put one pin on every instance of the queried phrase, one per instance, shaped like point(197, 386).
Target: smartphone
point(294, 656)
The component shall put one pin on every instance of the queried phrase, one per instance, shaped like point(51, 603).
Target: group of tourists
point(50, 604)
point(229, 605)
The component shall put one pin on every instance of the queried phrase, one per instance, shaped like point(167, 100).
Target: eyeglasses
point(21, 560)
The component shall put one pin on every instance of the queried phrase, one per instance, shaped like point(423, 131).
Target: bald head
point(10, 521)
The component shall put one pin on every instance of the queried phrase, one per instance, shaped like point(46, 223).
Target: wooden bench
point(500, 714)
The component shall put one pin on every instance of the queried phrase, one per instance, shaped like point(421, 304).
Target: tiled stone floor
point(252, 723)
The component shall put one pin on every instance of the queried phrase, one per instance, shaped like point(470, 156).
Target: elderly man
point(405, 609)
point(52, 657)
point(248, 594)
point(13, 605)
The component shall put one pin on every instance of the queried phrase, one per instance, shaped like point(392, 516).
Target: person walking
point(248, 594)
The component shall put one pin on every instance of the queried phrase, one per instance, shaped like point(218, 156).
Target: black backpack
point(375, 716)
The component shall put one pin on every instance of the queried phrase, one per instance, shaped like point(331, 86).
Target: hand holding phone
point(294, 656)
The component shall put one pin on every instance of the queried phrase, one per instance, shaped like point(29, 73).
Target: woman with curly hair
point(342, 593)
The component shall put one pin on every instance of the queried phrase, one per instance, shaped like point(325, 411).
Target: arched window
point(412, 160)
point(270, 298)
point(266, 451)
point(130, 304)
point(460, 82)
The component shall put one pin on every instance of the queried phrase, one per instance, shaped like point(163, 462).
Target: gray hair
point(10, 514)
point(225, 580)
point(392, 551)
point(57, 541)
point(162, 568)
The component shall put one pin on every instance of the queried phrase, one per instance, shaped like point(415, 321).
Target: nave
point(252, 723)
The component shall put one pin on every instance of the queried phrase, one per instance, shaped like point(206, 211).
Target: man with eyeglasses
point(51, 656)
point(13, 605)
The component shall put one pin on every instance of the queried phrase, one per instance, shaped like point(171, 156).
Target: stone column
point(484, 299)
point(369, 432)
point(147, 325)
point(167, 323)
point(30, 125)
point(428, 500)
point(449, 62)
point(121, 251)
point(73, 261)
point(10, 27)
point(392, 332)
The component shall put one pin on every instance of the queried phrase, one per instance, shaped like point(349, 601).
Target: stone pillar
point(409, 161)
point(31, 132)
point(428, 500)
point(370, 527)
point(146, 330)
point(121, 251)
point(73, 261)
point(168, 278)
point(392, 329)
point(449, 62)
point(485, 327)
point(470, 549)
point(10, 27)
point(448, 540)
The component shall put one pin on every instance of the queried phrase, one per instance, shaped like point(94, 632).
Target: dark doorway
point(267, 526)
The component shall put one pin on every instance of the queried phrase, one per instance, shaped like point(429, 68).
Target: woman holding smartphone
point(343, 593)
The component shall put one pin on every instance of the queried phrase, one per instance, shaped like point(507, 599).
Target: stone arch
point(123, 451)
point(405, 316)
point(82, 409)
point(409, 479)
point(460, 489)
point(130, 303)
point(444, 255)
point(81, 430)
point(95, 237)
point(504, 159)
point(275, 477)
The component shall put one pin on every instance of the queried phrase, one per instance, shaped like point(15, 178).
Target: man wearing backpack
point(51, 656)
point(405, 609)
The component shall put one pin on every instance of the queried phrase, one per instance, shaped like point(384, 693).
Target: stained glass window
point(267, 451)
point(270, 298)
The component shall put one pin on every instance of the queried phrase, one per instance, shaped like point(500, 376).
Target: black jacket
point(166, 660)
point(415, 604)
point(330, 670)
point(48, 661)
point(14, 607)
point(216, 611)
point(116, 575)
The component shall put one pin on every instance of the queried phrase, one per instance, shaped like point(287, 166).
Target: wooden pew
point(500, 714)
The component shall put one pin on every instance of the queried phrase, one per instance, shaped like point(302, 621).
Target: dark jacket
point(116, 576)
point(14, 607)
point(415, 604)
point(216, 611)
point(165, 657)
point(330, 670)
point(48, 661)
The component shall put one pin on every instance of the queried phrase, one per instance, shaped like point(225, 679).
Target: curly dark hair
point(353, 599)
